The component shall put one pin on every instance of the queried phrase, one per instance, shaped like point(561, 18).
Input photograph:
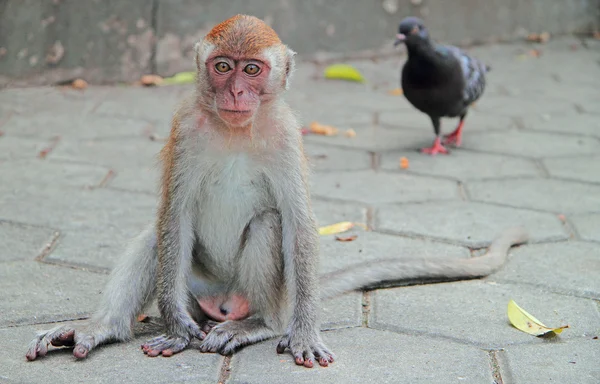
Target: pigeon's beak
point(399, 39)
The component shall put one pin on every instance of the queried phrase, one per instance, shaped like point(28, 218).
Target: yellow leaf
point(343, 72)
point(180, 78)
point(336, 228)
point(525, 322)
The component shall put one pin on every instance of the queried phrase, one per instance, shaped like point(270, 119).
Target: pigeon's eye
point(252, 69)
point(415, 29)
point(222, 67)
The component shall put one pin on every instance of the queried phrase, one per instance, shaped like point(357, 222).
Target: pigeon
point(439, 80)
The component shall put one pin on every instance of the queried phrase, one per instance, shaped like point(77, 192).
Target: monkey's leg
point(259, 275)
point(130, 288)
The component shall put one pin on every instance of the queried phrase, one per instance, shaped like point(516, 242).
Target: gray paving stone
point(461, 165)
point(342, 312)
point(583, 124)
point(123, 154)
point(36, 293)
point(49, 124)
point(560, 362)
point(347, 96)
point(21, 148)
point(471, 224)
point(375, 138)
point(576, 168)
point(22, 242)
point(41, 172)
point(77, 209)
point(588, 226)
point(137, 179)
point(527, 105)
point(97, 248)
point(543, 194)
point(474, 312)
point(134, 161)
point(358, 186)
point(530, 144)
point(371, 246)
point(328, 212)
point(367, 356)
point(60, 100)
point(475, 122)
point(155, 104)
point(328, 158)
point(113, 363)
point(571, 267)
point(337, 116)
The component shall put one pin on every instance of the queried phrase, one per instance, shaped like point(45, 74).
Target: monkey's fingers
point(306, 358)
point(60, 336)
point(165, 345)
point(324, 355)
point(283, 344)
point(66, 339)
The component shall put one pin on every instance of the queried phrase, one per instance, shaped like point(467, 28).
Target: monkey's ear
point(202, 50)
point(197, 48)
point(290, 65)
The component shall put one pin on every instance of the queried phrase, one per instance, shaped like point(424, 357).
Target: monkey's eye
point(222, 67)
point(252, 69)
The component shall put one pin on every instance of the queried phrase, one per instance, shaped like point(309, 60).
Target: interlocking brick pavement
point(530, 156)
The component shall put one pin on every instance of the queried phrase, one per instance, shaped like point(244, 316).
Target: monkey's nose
point(223, 310)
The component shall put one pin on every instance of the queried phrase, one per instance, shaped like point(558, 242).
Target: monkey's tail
point(386, 271)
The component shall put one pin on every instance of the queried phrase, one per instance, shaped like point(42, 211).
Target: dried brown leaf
point(79, 84)
point(151, 80)
point(346, 238)
point(404, 163)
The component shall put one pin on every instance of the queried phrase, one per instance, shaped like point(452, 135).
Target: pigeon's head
point(411, 30)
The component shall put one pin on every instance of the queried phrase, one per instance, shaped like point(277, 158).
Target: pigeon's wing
point(473, 71)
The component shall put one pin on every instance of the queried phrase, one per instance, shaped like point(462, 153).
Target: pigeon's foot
point(436, 148)
point(455, 138)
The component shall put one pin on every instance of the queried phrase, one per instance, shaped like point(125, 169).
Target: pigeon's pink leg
point(436, 148)
point(222, 308)
point(455, 137)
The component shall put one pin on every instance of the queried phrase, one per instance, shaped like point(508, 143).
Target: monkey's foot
point(436, 148)
point(207, 325)
point(64, 336)
point(455, 138)
point(305, 351)
point(230, 336)
point(165, 345)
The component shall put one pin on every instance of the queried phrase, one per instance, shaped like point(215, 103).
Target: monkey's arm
point(300, 245)
point(175, 241)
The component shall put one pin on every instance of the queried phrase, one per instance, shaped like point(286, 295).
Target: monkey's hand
point(305, 345)
point(175, 342)
point(83, 340)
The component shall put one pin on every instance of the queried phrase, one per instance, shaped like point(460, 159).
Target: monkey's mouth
point(236, 111)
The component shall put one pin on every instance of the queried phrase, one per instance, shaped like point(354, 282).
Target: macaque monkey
point(232, 258)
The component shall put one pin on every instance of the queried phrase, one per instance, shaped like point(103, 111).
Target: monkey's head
point(242, 64)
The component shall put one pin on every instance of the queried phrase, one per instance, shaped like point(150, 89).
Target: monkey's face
point(238, 84)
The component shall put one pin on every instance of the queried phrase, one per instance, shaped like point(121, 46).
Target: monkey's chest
point(232, 194)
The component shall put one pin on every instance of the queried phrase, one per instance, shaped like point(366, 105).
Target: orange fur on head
point(243, 34)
